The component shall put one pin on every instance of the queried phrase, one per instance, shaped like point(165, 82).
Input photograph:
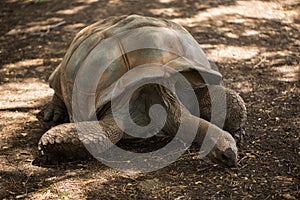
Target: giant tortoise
point(135, 63)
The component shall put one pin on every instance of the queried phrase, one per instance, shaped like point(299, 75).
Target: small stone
point(288, 196)
point(71, 173)
point(149, 185)
point(24, 134)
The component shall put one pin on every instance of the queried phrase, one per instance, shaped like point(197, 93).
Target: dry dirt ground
point(256, 45)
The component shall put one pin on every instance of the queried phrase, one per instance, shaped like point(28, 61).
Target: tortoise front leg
point(69, 141)
point(236, 114)
point(218, 144)
point(55, 110)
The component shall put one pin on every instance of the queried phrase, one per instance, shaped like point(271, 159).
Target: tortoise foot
point(55, 111)
point(61, 144)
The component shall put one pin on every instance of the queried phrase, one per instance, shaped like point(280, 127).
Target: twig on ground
point(263, 59)
point(50, 28)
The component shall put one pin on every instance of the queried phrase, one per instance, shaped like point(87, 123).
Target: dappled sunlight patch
point(223, 52)
point(87, 1)
point(72, 11)
point(287, 73)
point(71, 185)
point(73, 27)
point(29, 93)
point(207, 46)
point(55, 60)
point(258, 9)
point(25, 1)
point(166, 1)
point(36, 67)
point(11, 122)
point(249, 32)
point(252, 9)
point(11, 115)
point(12, 125)
point(35, 27)
point(32, 29)
point(114, 2)
point(166, 12)
point(232, 35)
point(45, 22)
point(24, 63)
point(67, 189)
point(283, 53)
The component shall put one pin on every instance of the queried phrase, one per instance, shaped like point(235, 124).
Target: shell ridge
point(124, 54)
point(87, 32)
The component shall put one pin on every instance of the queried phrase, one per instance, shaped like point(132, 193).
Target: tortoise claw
point(55, 111)
point(238, 135)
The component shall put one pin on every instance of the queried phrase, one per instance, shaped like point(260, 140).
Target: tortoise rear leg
point(236, 114)
point(55, 110)
point(70, 141)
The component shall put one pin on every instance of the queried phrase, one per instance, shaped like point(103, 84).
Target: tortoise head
point(225, 151)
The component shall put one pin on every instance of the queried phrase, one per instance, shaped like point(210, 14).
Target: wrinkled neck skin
point(166, 118)
point(177, 113)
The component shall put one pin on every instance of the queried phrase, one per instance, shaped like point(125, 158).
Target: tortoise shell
point(103, 52)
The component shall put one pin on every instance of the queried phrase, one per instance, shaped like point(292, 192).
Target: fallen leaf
point(31, 119)
point(283, 178)
point(288, 196)
point(198, 182)
point(24, 134)
point(88, 181)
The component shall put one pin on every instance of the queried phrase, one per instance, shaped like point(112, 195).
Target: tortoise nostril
point(229, 153)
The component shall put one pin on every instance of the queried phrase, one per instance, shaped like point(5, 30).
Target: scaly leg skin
point(216, 143)
point(70, 141)
point(219, 145)
point(236, 114)
point(55, 111)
